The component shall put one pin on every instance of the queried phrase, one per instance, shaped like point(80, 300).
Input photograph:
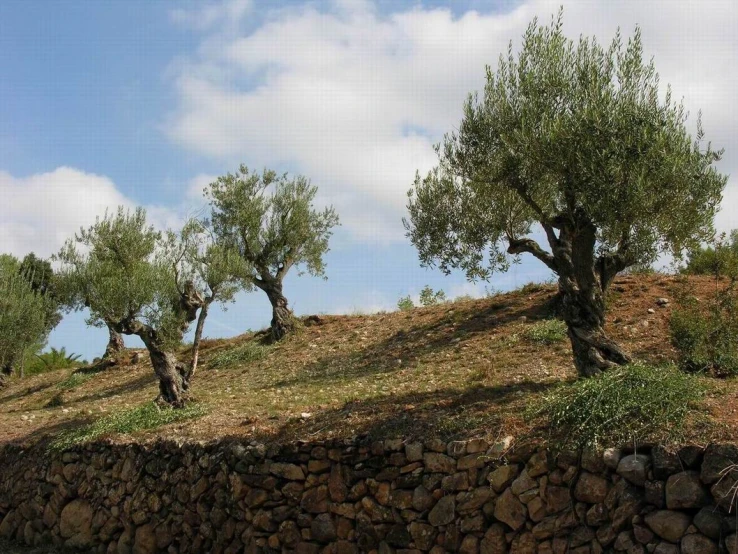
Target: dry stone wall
point(354, 496)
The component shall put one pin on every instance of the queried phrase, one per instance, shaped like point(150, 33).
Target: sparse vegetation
point(405, 303)
point(148, 416)
point(627, 406)
point(547, 331)
point(75, 379)
point(429, 297)
point(705, 332)
point(238, 356)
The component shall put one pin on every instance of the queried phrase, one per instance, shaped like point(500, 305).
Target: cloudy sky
point(142, 103)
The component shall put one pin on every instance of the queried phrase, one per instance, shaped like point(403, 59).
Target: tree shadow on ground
point(447, 414)
point(26, 392)
point(123, 388)
point(42, 437)
point(461, 322)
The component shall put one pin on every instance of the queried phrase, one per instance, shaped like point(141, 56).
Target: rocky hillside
point(465, 368)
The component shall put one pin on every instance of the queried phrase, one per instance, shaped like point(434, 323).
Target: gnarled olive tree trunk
point(172, 377)
point(583, 281)
point(283, 321)
point(115, 344)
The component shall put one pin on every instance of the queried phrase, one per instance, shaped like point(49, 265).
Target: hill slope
point(470, 367)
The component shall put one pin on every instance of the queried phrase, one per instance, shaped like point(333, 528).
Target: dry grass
point(463, 368)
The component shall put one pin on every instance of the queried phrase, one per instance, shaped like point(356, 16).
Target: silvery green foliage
point(271, 221)
point(23, 314)
point(116, 269)
point(212, 269)
point(562, 131)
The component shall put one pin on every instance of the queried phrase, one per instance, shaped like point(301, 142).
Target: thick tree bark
point(172, 382)
point(171, 374)
point(582, 285)
point(115, 344)
point(283, 321)
point(583, 280)
point(584, 314)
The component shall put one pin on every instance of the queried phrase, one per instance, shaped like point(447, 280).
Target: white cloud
point(355, 99)
point(41, 211)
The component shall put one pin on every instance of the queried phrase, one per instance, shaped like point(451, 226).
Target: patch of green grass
point(74, 380)
point(148, 416)
point(623, 406)
point(547, 331)
point(235, 357)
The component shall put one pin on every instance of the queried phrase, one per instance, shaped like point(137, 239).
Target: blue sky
point(139, 102)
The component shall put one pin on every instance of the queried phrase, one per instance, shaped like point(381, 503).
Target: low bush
point(547, 331)
point(628, 405)
point(242, 354)
point(405, 303)
point(429, 297)
point(707, 337)
point(148, 416)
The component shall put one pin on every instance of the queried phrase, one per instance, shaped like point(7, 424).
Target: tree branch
point(518, 246)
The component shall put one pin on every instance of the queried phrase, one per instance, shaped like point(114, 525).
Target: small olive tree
point(572, 140)
point(205, 271)
point(138, 281)
point(24, 315)
point(128, 288)
point(271, 221)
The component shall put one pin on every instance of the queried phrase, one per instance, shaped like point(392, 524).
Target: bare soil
point(463, 368)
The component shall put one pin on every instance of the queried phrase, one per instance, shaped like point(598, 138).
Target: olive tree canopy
point(572, 140)
point(271, 221)
point(138, 281)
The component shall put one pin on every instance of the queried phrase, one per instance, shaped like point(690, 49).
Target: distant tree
point(271, 221)
point(574, 140)
point(141, 283)
point(716, 258)
point(23, 316)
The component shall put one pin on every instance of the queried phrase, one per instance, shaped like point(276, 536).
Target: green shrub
point(429, 297)
point(148, 416)
point(707, 338)
point(405, 304)
point(242, 354)
point(720, 257)
point(623, 406)
point(547, 331)
point(52, 360)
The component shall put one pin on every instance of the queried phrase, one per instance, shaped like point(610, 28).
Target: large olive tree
point(271, 221)
point(572, 140)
